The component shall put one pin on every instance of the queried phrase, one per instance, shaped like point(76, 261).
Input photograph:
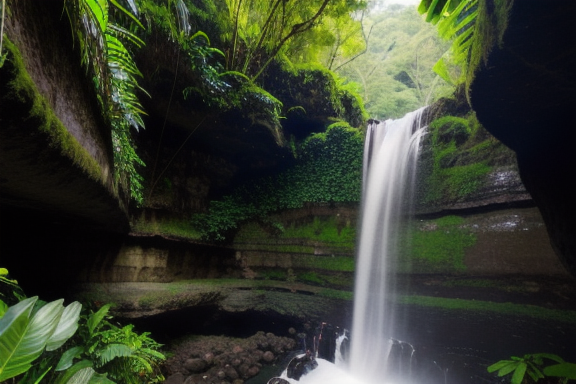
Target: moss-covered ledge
point(289, 299)
point(44, 167)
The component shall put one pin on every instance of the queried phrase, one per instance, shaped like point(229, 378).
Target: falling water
point(390, 155)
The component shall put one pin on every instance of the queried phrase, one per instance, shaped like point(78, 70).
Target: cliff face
point(56, 150)
point(525, 96)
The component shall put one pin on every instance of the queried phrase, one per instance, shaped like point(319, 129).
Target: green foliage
point(439, 247)
point(47, 341)
point(473, 29)
point(256, 33)
point(27, 331)
point(110, 63)
point(448, 179)
point(328, 169)
point(395, 73)
point(531, 368)
point(126, 356)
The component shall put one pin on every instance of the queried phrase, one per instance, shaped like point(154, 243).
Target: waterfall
point(390, 155)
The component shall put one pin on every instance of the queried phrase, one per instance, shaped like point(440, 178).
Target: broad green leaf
point(550, 356)
point(3, 308)
point(508, 368)
point(67, 358)
point(518, 375)
point(99, 12)
point(68, 374)
point(100, 378)
point(96, 318)
point(499, 365)
point(12, 326)
point(567, 370)
point(83, 376)
point(22, 340)
point(66, 327)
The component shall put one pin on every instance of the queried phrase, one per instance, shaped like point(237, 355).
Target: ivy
point(449, 179)
point(328, 169)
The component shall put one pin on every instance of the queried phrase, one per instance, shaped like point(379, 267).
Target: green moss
point(464, 180)
point(438, 247)
point(336, 294)
point(489, 306)
point(174, 228)
point(460, 159)
point(21, 87)
point(273, 274)
point(310, 277)
point(326, 231)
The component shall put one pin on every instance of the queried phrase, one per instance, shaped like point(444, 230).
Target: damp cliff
point(525, 95)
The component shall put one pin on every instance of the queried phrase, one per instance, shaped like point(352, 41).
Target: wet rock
point(177, 378)
point(195, 365)
point(268, 356)
point(231, 373)
point(209, 358)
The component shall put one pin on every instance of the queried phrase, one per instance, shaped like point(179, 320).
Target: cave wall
point(525, 95)
point(55, 148)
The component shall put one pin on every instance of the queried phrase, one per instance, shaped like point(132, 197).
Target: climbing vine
point(450, 178)
point(328, 168)
point(104, 49)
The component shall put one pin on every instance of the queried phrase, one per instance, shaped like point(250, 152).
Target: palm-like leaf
point(67, 326)
point(22, 338)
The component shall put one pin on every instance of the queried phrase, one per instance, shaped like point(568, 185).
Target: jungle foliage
point(531, 368)
point(328, 168)
point(104, 30)
point(51, 343)
point(395, 73)
point(474, 27)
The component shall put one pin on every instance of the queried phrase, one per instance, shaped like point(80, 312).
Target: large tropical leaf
point(66, 327)
point(67, 358)
point(22, 339)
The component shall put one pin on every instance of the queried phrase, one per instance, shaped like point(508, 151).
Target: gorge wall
point(525, 96)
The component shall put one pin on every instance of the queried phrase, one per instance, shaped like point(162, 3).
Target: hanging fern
point(102, 45)
point(473, 29)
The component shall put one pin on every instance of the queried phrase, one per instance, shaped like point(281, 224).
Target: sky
point(381, 4)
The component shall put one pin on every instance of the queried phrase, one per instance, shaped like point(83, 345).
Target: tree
point(395, 73)
point(260, 31)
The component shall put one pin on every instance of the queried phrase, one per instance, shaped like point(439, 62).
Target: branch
point(296, 29)
point(366, 38)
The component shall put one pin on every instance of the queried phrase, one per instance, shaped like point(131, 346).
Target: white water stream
point(390, 155)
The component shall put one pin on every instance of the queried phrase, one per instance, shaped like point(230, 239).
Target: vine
point(328, 169)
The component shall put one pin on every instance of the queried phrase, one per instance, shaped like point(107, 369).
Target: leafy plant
point(127, 357)
point(474, 31)
point(10, 291)
point(27, 331)
point(328, 169)
point(103, 49)
point(33, 335)
point(531, 368)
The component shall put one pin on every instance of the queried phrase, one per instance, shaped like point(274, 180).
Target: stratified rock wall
point(525, 96)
